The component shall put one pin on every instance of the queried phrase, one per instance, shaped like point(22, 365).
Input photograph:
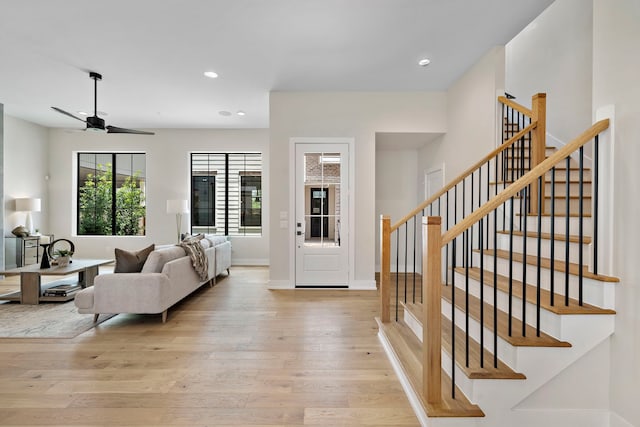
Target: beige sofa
point(166, 277)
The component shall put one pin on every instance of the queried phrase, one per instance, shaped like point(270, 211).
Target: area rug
point(50, 320)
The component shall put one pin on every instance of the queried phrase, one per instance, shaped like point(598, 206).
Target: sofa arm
point(131, 293)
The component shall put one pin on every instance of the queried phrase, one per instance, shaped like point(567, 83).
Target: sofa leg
point(211, 283)
point(164, 316)
point(95, 317)
point(228, 272)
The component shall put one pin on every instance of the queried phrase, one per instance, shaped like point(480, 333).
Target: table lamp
point(178, 207)
point(28, 205)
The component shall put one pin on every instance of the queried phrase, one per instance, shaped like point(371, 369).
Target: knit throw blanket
point(198, 257)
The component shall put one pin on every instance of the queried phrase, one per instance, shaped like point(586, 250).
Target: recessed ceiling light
point(224, 113)
point(211, 74)
point(241, 113)
point(424, 62)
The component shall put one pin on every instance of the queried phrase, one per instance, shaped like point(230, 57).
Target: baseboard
point(260, 262)
point(616, 420)
point(280, 284)
point(363, 285)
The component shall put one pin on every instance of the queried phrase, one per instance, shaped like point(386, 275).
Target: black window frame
point(115, 179)
point(222, 223)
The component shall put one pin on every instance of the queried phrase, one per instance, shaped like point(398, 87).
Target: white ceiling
point(152, 53)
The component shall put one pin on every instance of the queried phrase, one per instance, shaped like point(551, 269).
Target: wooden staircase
point(519, 304)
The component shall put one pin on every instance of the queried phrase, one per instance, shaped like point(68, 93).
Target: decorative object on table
point(178, 207)
point(63, 257)
point(55, 254)
point(20, 231)
point(28, 205)
point(131, 261)
point(45, 241)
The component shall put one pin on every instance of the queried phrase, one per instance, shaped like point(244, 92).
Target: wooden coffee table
point(31, 288)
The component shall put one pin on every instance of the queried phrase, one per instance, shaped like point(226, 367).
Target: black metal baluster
point(446, 252)
point(406, 238)
point(596, 207)
point(538, 267)
point(471, 232)
point(415, 217)
point(552, 231)
point(453, 320)
point(397, 271)
point(580, 224)
point(511, 268)
point(495, 288)
point(567, 224)
point(481, 245)
point(466, 254)
point(524, 264)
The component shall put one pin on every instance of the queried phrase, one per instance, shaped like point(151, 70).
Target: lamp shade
point(28, 204)
point(177, 206)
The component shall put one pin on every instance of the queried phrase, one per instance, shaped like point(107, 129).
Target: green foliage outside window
point(95, 202)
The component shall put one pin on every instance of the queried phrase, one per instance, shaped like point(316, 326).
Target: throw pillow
point(193, 239)
point(131, 261)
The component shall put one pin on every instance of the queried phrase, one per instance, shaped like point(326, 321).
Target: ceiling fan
point(94, 122)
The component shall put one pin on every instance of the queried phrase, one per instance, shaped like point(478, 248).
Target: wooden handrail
point(525, 180)
point(509, 103)
point(463, 175)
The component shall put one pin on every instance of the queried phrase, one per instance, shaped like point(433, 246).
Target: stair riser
point(593, 290)
point(506, 352)
point(574, 174)
point(550, 323)
point(560, 225)
point(559, 247)
point(574, 189)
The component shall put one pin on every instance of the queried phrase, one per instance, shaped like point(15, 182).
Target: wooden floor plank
point(235, 354)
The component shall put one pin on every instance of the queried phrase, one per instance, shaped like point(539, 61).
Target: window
point(111, 194)
point(226, 193)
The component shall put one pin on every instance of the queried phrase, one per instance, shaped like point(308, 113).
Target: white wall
point(553, 55)
point(26, 167)
point(396, 190)
point(471, 118)
point(167, 156)
point(616, 71)
point(349, 114)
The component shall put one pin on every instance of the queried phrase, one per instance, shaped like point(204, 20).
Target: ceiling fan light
point(241, 113)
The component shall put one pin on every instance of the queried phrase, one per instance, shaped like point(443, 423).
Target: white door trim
point(292, 200)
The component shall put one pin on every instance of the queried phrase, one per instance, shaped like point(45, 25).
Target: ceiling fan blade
point(115, 129)
point(68, 114)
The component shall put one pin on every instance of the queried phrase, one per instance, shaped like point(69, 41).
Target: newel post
point(432, 292)
point(385, 268)
point(538, 146)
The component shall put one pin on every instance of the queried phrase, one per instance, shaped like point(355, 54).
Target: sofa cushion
point(131, 261)
point(214, 239)
point(158, 258)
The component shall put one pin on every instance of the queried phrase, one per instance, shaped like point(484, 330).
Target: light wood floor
point(237, 354)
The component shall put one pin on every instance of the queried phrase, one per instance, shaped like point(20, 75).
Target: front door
point(321, 215)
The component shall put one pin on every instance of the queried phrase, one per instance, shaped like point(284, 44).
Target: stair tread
point(516, 338)
point(474, 370)
point(547, 236)
point(545, 296)
point(408, 350)
point(574, 269)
